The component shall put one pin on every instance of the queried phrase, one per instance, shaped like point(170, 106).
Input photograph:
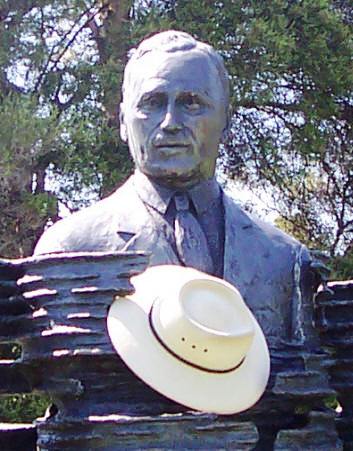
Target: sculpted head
point(175, 108)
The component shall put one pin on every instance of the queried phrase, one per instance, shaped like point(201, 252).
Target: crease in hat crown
point(205, 324)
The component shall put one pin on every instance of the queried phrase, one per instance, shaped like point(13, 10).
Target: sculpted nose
point(171, 122)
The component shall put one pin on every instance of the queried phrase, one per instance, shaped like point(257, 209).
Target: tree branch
point(68, 44)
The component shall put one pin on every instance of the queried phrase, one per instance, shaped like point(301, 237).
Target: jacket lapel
point(137, 231)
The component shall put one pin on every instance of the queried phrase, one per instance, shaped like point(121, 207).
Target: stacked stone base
point(57, 312)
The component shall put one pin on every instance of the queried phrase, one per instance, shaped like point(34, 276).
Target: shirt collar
point(158, 197)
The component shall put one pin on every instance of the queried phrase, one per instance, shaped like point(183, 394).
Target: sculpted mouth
point(172, 149)
point(172, 144)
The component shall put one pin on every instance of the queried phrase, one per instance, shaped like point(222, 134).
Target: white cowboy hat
point(191, 337)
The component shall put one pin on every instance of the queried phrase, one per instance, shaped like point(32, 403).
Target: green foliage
point(42, 204)
point(22, 408)
point(26, 132)
point(61, 67)
point(342, 266)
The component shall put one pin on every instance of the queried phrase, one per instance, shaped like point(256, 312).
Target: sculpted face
point(173, 116)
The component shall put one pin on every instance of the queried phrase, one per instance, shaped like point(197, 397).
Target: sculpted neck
point(176, 181)
point(173, 183)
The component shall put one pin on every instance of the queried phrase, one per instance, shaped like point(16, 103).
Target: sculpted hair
point(177, 41)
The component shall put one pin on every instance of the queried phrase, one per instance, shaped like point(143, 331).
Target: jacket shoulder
point(265, 232)
point(273, 271)
point(92, 228)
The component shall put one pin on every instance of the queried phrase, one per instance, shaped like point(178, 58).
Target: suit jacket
point(265, 264)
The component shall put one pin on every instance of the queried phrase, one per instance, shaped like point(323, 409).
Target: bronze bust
point(173, 115)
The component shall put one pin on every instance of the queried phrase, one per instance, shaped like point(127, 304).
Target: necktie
point(190, 240)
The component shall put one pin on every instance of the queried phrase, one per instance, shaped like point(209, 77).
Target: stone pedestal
point(334, 319)
point(57, 311)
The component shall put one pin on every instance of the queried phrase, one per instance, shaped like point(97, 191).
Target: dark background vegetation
point(291, 135)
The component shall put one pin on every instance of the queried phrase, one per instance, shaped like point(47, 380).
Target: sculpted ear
point(225, 131)
point(123, 130)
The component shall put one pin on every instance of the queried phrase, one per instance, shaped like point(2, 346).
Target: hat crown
point(206, 325)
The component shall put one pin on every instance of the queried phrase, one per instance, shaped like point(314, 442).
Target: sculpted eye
point(191, 102)
point(151, 102)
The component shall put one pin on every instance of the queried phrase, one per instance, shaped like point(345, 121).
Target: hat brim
point(132, 337)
